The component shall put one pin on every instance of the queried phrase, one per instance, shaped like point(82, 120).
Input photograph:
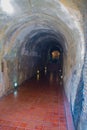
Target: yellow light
point(55, 54)
point(51, 77)
point(6, 6)
point(38, 76)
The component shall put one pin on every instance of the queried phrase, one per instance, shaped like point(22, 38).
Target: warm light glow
point(55, 54)
point(51, 77)
point(6, 6)
point(38, 76)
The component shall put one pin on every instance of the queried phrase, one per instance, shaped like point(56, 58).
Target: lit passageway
point(38, 36)
point(39, 104)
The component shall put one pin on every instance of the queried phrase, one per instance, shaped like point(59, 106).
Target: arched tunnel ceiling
point(36, 26)
point(43, 38)
point(64, 23)
point(47, 19)
point(24, 30)
point(43, 20)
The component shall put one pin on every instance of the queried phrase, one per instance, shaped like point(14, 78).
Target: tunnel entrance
point(28, 41)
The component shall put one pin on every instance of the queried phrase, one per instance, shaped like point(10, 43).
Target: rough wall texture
point(68, 21)
point(80, 104)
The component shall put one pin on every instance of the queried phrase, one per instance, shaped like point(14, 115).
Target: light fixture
point(45, 69)
point(61, 76)
point(55, 54)
point(7, 6)
point(15, 85)
point(38, 71)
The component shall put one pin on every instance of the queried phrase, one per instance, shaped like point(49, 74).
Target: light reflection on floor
point(35, 106)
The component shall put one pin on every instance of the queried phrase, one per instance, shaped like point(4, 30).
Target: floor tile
point(36, 105)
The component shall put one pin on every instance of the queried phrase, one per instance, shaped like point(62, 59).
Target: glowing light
point(38, 76)
point(38, 71)
point(55, 54)
point(61, 77)
point(6, 6)
point(15, 85)
point(45, 70)
point(15, 93)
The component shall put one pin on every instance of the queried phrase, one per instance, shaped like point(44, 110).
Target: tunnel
point(30, 32)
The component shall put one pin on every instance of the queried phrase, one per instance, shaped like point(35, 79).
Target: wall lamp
point(15, 85)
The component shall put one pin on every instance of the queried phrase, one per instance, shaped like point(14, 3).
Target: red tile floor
point(39, 104)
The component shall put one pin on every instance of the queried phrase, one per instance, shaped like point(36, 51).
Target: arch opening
point(30, 39)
